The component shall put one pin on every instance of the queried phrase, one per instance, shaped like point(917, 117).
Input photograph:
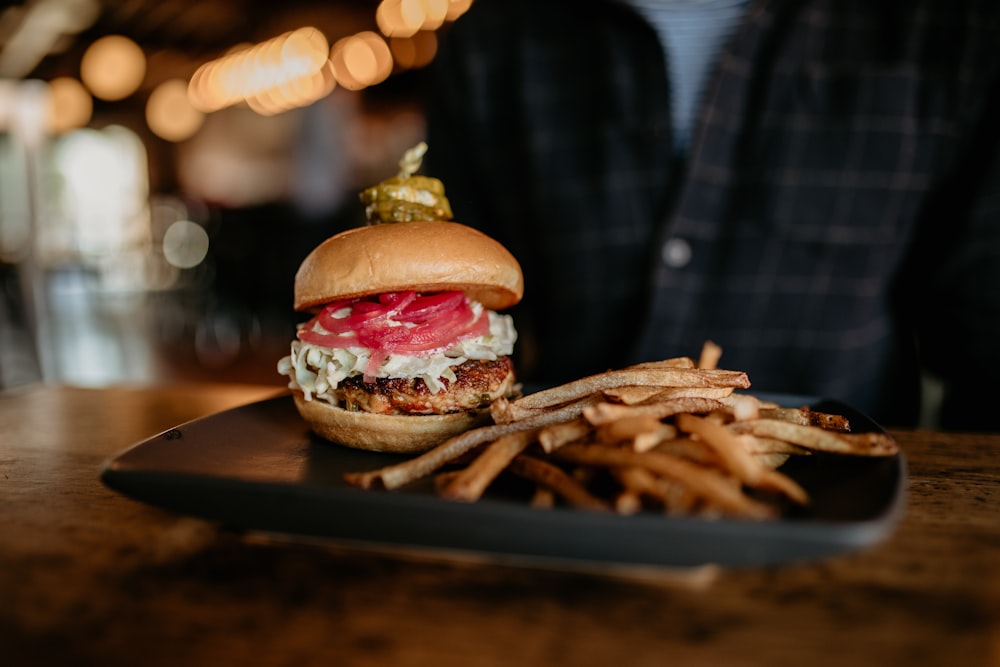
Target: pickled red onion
point(363, 312)
point(427, 305)
point(397, 322)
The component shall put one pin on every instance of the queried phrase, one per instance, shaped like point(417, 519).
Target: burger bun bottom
point(385, 433)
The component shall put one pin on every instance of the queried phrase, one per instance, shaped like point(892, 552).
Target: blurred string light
point(414, 52)
point(170, 114)
point(456, 8)
point(297, 68)
point(60, 105)
point(282, 72)
point(361, 60)
point(113, 67)
point(69, 105)
point(405, 18)
point(407, 28)
point(297, 92)
point(289, 71)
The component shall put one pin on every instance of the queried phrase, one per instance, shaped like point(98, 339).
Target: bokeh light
point(393, 21)
point(415, 51)
point(69, 105)
point(169, 113)
point(340, 69)
point(185, 244)
point(113, 67)
point(361, 60)
point(404, 18)
point(456, 8)
point(381, 54)
point(271, 76)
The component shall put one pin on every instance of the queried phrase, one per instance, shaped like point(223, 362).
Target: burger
point(404, 347)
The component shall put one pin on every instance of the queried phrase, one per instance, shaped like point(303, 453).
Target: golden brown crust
point(385, 433)
point(477, 383)
point(423, 256)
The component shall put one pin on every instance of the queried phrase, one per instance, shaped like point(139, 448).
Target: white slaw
point(316, 371)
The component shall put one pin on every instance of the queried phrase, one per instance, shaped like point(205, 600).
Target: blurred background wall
point(166, 164)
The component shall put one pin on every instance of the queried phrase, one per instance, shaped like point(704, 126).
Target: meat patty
point(477, 383)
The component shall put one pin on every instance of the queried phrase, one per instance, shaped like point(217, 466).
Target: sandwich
point(405, 346)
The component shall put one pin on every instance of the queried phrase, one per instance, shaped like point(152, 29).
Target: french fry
point(772, 460)
point(553, 478)
point(626, 429)
point(670, 435)
point(818, 439)
point(603, 413)
point(665, 377)
point(733, 453)
point(772, 480)
point(643, 442)
point(668, 393)
point(807, 417)
point(508, 412)
point(674, 362)
point(743, 407)
point(638, 395)
point(631, 394)
point(692, 450)
point(555, 436)
point(399, 475)
point(674, 497)
point(442, 479)
point(501, 412)
point(708, 483)
point(469, 484)
point(710, 355)
point(746, 402)
point(641, 432)
point(543, 498)
point(628, 502)
point(760, 445)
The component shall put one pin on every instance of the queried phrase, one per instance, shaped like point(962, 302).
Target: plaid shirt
point(835, 225)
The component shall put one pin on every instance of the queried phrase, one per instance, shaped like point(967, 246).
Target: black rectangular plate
point(258, 468)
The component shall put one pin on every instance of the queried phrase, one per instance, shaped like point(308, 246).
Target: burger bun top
point(424, 256)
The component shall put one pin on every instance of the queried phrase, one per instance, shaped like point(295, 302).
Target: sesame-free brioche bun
point(424, 256)
point(403, 434)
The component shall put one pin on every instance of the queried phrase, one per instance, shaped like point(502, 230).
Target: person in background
point(814, 186)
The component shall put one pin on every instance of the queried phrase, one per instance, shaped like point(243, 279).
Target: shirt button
point(676, 253)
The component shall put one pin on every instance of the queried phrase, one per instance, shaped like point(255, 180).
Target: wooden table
point(88, 576)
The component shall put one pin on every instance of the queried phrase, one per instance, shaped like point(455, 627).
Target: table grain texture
point(90, 577)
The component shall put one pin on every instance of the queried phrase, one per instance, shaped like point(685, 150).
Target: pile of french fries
point(671, 436)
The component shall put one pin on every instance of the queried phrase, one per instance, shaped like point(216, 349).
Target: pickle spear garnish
point(407, 197)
